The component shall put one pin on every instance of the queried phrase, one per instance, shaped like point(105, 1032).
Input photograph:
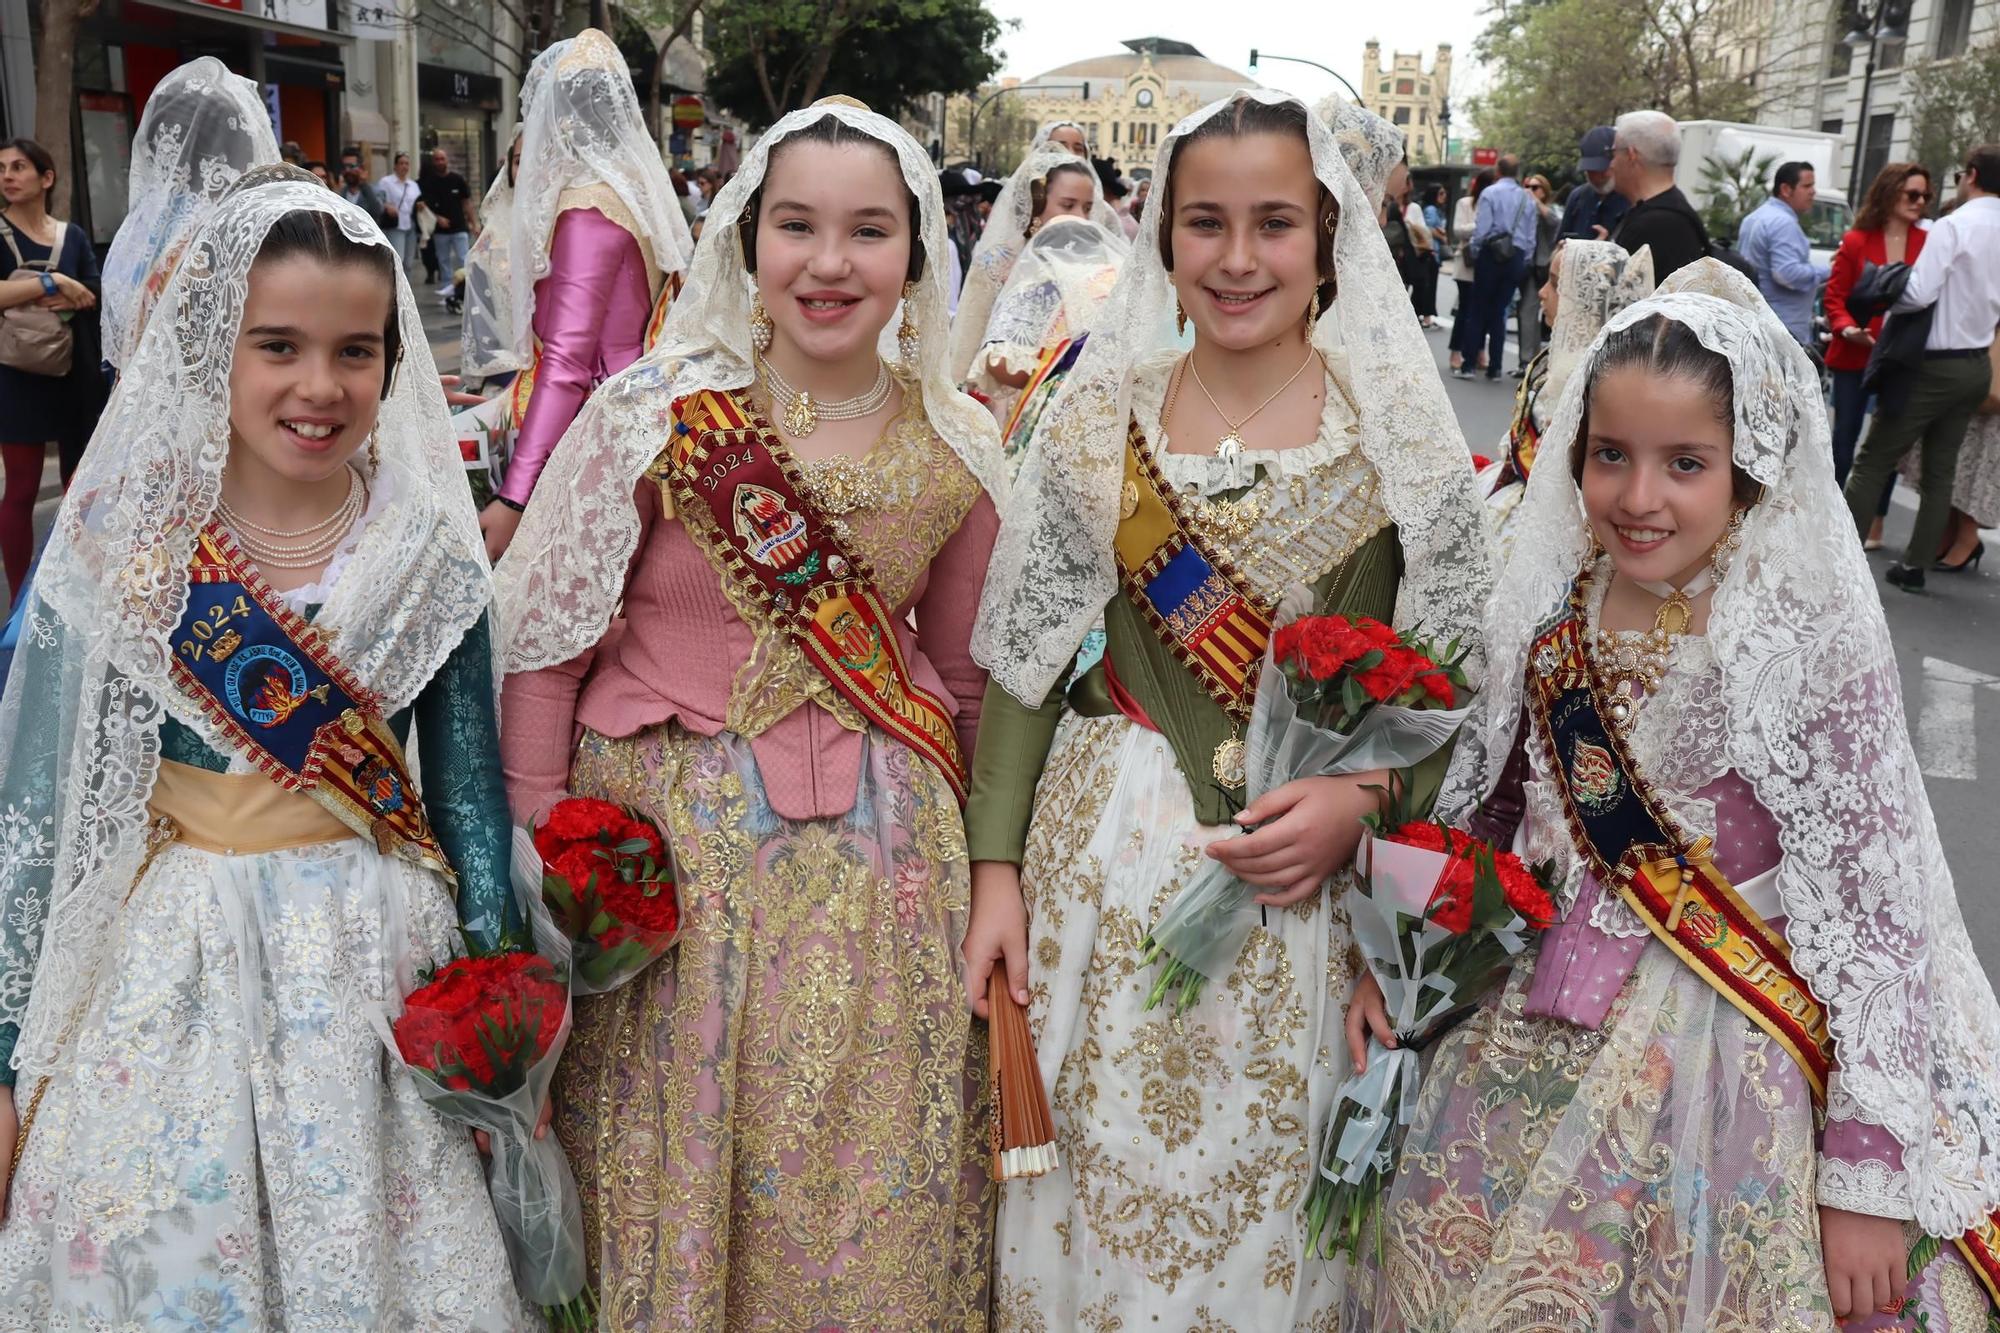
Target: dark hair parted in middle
point(829, 129)
point(1666, 349)
point(1038, 191)
point(1245, 117)
point(312, 234)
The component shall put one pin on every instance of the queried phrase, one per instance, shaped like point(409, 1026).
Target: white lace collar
point(1209, 475)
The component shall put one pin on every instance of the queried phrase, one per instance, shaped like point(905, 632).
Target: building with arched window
point(1406, 94)
point(1126, 102)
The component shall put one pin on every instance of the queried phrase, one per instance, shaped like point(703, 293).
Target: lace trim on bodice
point(1307, 508)
point(894, 507)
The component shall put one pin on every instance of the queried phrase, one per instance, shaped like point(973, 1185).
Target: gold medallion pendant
point(1229, 448)
point(1229, 762)
point(801, 416)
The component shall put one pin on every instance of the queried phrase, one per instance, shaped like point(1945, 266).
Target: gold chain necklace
point(800, 414)
point(1230, 446)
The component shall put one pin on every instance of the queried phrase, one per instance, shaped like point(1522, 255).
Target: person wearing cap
point(1594, 209)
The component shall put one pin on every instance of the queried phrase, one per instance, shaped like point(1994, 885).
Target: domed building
point(1132, 100)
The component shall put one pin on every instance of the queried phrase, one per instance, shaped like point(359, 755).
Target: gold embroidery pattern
point(782, 1125)
point(895, 507)
point(1559, 1178)
point(1184, 1142)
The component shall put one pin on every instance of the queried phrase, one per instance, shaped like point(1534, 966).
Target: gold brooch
point(1229, 762)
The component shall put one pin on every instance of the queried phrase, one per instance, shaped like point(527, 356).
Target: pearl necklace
point(800, 414)
point(1634, 662)
point(302, 548)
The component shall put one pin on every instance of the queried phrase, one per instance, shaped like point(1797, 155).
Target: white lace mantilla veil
point(1815, 724)
point(202, 128)
point(90, 684)
point(489, 344)
point(1052, 570)
point(564, 574)
point(581, 126)
point(1594, 281)
point(1000, 244)
point(1371, 145)
point(1066, 268)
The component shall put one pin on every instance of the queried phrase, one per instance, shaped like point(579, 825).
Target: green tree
point(1734, 187)
point(1562, 66)
point(1954, 106)
point(1005, 127)
point(770, 56)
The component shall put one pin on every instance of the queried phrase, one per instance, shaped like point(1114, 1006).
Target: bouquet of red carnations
point(482, 1036)
point(1439, 917)
point(606, 877)
point(1337, 695)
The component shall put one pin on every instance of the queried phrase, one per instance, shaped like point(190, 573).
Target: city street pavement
point(1947, 651)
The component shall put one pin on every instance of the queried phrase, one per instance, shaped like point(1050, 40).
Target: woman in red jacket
point(1886, 231)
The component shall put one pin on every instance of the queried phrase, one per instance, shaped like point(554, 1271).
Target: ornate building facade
point(1406, 94)
point(1126, 102)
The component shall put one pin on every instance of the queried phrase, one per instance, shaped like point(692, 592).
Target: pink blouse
point(590, 315)
point(675, 654)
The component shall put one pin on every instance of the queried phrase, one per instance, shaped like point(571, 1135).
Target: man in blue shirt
point(1503, 244)
point(1594, 208)
point(1776, 246)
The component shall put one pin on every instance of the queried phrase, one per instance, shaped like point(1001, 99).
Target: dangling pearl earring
point(374, 453)
point(760, 325)
point(1725, 550)
point(907, 342)
point(1312, 313)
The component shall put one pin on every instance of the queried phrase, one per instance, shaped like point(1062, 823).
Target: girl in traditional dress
point(596, 247)
point(267, 568)
point(1062, 278)
point(1693, 712)
point(777, 1125)
point(1050, 182)
point(1305, 444)
point(202, 128)
point(1589, 282)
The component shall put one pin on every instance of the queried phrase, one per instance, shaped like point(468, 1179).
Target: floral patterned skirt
point(231, 1148)
point(779, 1126)
point(1654, 1175)
point(1186, 1143)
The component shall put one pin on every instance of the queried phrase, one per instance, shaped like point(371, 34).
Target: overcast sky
point(1055, 32)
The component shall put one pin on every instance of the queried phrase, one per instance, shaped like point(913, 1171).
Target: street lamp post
point(972, 130)
point(1884, 21)
point(1256, 55)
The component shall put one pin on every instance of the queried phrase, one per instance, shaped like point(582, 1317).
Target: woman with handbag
point(50, 385)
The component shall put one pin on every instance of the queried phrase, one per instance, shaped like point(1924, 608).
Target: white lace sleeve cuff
point(1869, 1186)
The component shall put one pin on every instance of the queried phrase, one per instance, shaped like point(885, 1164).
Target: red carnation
point(1525, 893)
point(480, 1023)
point(607, 879)
point(1480, 462)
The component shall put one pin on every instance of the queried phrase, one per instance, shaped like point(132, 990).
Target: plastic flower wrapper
point(1439, 917)
point(1336, 696)
point(604, 874)
point(481, 1036)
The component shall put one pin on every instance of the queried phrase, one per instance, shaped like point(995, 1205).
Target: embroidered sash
point(523, 387)
point(1634, 846)
point(1190, 596)
point(1050, 368)
point(268, 680)
point(777, 547)
point(1523, 437)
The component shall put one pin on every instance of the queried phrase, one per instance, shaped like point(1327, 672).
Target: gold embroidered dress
point(1184, 1142)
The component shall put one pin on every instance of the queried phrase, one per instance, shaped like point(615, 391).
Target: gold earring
point(1725, 550)
point(1312, 312)
point(1180, 317)
point(374, 453)
point(760, 325)
point(907, 344)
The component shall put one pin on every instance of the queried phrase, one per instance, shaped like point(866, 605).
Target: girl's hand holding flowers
point(1302, 832)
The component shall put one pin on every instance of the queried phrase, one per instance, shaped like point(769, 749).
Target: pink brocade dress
point(1608, 1144)
point(780, 1125)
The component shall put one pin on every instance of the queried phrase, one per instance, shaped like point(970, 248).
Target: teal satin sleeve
point(458, 754)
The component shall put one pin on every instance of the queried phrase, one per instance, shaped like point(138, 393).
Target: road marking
point(1947, 725)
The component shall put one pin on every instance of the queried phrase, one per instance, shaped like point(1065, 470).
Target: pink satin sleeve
point(590, 315)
